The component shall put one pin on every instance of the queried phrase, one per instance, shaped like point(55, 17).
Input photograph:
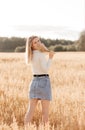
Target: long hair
point(29, 50)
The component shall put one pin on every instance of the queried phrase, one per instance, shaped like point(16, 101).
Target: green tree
point(81, 41)
point(20, 49)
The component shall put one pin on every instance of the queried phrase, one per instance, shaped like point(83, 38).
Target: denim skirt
point(40, 88)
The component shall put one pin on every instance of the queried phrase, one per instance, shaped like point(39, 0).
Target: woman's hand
point(51, 54)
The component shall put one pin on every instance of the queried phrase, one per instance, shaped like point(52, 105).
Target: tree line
point(17, 44)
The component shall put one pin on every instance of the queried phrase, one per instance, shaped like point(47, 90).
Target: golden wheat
point(67, 109)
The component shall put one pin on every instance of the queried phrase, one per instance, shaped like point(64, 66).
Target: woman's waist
point(40, 75)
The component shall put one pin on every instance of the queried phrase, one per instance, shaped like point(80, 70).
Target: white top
point(40, 64)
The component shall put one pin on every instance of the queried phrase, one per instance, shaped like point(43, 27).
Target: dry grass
point(67, 109)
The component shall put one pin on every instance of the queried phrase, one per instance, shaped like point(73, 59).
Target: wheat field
point(67, 108)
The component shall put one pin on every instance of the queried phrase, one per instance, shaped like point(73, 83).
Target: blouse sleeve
point(44, 63)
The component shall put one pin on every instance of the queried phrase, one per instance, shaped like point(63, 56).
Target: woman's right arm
point(45, 64)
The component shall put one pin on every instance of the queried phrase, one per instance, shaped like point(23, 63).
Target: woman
point(40, 88)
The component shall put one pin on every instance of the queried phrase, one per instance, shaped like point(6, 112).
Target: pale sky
point(59, 13)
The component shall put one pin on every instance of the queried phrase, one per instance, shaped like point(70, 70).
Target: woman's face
point(36, 43)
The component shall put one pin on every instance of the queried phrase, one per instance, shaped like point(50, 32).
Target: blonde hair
point(29, 50)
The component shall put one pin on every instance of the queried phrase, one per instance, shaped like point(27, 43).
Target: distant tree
point(10, 44)
point(81, 41)
point(20, 49)
point(71, 48)
point(59, 48)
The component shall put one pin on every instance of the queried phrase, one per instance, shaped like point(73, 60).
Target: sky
point(42, 17)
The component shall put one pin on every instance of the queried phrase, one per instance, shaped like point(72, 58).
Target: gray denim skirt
point(40, 88)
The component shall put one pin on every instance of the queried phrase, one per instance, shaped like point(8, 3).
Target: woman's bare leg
point(45, 110)
point(30, 112)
